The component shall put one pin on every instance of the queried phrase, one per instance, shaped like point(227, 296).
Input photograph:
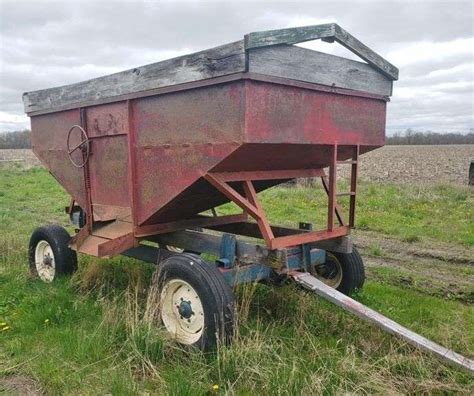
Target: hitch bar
point(309, 282)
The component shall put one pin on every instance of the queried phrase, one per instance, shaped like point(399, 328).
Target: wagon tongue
point(309, 282)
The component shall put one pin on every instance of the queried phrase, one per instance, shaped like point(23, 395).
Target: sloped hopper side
point(282, 128)
point(177, 138)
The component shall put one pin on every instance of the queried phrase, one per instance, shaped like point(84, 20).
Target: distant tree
point(15, 140)
point(411, 136)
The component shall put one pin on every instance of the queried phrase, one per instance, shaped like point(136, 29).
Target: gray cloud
point(45, 44)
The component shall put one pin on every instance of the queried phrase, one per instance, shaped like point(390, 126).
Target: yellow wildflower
point(215, 387)
point(46, 321)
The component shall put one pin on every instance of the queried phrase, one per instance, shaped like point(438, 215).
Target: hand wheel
point(84, 145)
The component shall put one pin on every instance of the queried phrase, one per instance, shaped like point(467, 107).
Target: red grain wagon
point(145, 153)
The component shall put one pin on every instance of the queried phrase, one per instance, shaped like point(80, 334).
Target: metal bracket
point(227, 251)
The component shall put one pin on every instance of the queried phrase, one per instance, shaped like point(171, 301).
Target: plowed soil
point(417, 164)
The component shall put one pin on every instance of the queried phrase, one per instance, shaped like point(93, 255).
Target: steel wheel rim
point(45, 262)
point(334, 279)
point(182, 312)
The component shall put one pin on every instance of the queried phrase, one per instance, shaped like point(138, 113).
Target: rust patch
point(107, 120)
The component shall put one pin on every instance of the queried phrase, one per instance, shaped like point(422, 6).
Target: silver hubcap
point(181, 311)
point(45, 262)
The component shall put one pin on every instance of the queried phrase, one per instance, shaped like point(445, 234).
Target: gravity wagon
point(148, 154)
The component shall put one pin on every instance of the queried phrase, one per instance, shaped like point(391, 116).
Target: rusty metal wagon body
point(163, 143)
point(146, 153)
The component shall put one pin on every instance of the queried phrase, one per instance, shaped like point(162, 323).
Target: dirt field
point(418, 164)
point(22, 158)
point(400, 164)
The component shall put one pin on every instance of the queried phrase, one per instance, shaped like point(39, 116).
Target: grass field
point(91, 334)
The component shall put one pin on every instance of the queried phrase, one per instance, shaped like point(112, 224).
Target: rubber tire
point(215, 294)
point(58, 238)
point(353, 271)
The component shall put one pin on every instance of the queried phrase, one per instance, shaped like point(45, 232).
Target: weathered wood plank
point(360, 49)
point(327, 32)
point(302, 64)
point(231, 59)
point(289, 36)
point(219, 61)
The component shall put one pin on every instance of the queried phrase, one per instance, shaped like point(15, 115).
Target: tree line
point(412, 137)
point(21, 139)
point(15, 140)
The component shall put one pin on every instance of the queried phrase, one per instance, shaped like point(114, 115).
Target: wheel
point(196, 304)
point(343, 271)
point(49, 253)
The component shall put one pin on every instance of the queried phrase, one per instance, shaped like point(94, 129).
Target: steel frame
point(274, 237)
point(251, 205)
point(239, 261)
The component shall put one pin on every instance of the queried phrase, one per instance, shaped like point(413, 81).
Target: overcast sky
point(46, 44)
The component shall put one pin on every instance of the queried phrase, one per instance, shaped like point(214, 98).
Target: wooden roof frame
point(329, 32)
point(269, 53)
